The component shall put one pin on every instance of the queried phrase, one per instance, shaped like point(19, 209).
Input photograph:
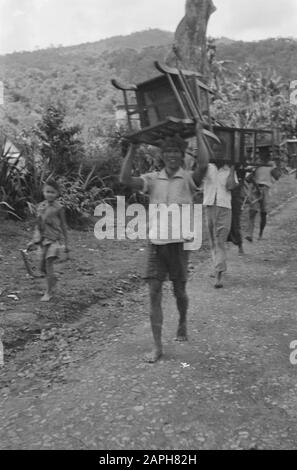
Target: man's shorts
point(264, 198)
point(167, 260)
point(261, 203)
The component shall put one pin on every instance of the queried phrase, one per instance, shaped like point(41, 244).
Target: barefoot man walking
point(172, 185)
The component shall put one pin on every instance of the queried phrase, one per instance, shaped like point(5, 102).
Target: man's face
point(172, 158)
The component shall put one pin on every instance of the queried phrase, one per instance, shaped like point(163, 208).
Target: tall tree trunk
point(190, 44)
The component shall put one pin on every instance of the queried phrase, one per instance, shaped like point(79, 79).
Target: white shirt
point(214, 188)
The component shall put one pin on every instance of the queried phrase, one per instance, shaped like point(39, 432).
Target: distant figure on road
point(261, 181)
point(219, 181)
point(172, 185)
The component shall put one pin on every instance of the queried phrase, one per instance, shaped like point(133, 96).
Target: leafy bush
point(7, 209)
point(21, 181)
point(11, 194)
point(80, 196)
point(60, 146)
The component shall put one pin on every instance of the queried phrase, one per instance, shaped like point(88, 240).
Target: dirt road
point(232, 386)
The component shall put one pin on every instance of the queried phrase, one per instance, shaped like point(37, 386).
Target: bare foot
point(154, 356)
point(218, 285)
point(240, 251)
point(46, 298)
point(181, 334)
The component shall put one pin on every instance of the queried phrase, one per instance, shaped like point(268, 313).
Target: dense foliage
point(249, 98)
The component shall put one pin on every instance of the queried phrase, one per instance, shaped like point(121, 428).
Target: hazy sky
point(26, 24)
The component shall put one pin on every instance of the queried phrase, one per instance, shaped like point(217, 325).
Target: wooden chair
point(171, 103)
point(167, 104)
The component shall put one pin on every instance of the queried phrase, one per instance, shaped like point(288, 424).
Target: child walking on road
point(50, 230)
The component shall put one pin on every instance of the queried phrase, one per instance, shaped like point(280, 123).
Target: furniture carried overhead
point(172, 102)
point(167, 104)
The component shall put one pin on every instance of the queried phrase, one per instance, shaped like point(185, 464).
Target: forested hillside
point(79, 76)
point(279, 54)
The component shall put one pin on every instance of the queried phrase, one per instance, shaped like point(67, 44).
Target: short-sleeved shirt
point(163, 190)
point(263, 176)
point(214, 187)
point(49, 221)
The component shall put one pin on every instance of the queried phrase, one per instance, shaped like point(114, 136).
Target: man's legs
point(223, 224)
point(210, 217)
point(263, 214)
point(182, 301)
point(251, 227)
point(213, 241)
point(239, 234)
point(235, 232)
point(236, 222)
point(263, 222)
point(156, 318)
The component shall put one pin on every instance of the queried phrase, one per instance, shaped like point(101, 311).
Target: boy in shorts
point(172, 185)
point(50, 230)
